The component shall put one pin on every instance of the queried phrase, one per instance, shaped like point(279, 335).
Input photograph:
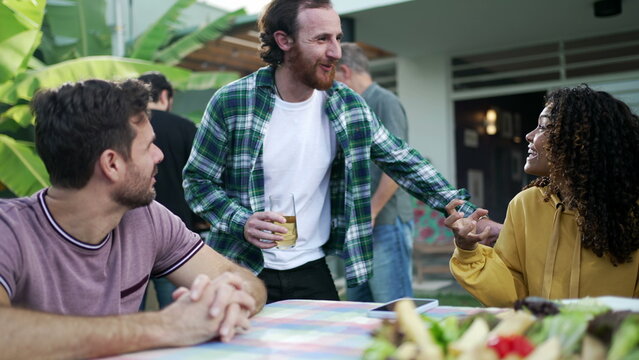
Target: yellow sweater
point(539, 253)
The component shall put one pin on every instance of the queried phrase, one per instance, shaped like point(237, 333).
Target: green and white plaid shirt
point(224, 177)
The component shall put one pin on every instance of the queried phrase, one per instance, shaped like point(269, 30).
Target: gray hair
point(353, 56)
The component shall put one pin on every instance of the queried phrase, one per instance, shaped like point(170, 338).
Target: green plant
point(74, 34)
point(21, 170)
point(74, 28)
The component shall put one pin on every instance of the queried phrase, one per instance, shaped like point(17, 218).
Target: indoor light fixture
point(491, 122)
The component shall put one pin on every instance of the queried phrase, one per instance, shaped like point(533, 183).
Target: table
point(296, 329)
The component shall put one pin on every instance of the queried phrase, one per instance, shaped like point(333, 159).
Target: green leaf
point(34, 63)
point(20, 114)
point(100, 67)
point(19, 35)
point(158, 34)
point(175, 52)
point(53, 51)
point(204, 80)
point(5, 89)
point(76, 28)
point(21, 170)
point(29, 13)
point(9, 128)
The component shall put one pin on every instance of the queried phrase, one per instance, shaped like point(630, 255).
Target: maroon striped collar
point(63, 233)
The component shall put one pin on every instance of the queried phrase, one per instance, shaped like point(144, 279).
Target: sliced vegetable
point(507, 345)
point(413, 326)
point(516, 324)
point(474, 337)
point(592, 349)
point(380, 349)
point(568, 328)
point(548, 350)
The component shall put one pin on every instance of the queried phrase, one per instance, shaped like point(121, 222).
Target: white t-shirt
point(299, 149)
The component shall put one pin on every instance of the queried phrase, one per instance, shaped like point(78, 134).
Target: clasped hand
point(210, 308)
point(466, 229)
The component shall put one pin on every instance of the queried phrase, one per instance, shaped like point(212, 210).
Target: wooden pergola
point(238, 51)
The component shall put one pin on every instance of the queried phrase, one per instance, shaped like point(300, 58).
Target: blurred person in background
point(174, 136)
point(391, 208)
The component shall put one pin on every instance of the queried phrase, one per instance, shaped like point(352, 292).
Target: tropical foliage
point(72, 41)
point(72, 29)
point(21, 171)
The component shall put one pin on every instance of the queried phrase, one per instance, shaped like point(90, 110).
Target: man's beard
point(135, 192)
point(307, 71)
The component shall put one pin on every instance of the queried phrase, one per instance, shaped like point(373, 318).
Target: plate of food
point(535, 329)
point(615, 303)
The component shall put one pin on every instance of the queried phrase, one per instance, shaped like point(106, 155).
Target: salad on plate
point(535, 329)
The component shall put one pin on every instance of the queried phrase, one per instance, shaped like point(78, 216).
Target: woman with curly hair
point(574, 231)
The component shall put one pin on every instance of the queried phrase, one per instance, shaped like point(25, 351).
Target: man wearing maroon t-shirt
point(75, 258)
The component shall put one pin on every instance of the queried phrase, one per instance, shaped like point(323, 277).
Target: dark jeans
point(312, 280)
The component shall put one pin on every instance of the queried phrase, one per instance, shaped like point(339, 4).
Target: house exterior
point(457, 59)
point(427, 35)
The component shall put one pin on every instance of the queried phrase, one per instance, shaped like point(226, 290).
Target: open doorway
point(491, 147)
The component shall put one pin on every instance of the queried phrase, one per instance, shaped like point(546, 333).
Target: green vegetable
point(490, 319)
point(450, 329)
point(569, 328)
point(380, 349)
point(443, 331)
point(626, 339)
point(634, 355)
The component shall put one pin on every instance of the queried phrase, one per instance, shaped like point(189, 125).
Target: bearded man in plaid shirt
point(290, 128)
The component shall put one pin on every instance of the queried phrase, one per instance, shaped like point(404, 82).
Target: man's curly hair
point(282, 15)
point(593, 151)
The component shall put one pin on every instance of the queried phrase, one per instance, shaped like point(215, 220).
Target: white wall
point(422, 84)
point(347, 6)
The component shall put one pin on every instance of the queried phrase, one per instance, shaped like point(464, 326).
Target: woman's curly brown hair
point(593, 151)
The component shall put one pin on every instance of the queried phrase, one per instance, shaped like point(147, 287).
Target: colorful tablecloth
point(296, 329)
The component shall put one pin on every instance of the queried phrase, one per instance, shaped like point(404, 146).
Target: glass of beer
point(285, 205)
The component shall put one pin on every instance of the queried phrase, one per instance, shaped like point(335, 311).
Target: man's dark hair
point(76, 122)
point(158, 83)
point(282, 15)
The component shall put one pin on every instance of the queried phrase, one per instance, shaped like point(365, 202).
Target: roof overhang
point(344, 7)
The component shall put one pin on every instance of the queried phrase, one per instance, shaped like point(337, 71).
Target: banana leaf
point(75, 28)
point(34, 63)
point(21, 170)
point(19, 34)
point(20, 114)
point(204, 80)
point(159, 33)
point(29, 13)
point(173, 53)
point(101, 67)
